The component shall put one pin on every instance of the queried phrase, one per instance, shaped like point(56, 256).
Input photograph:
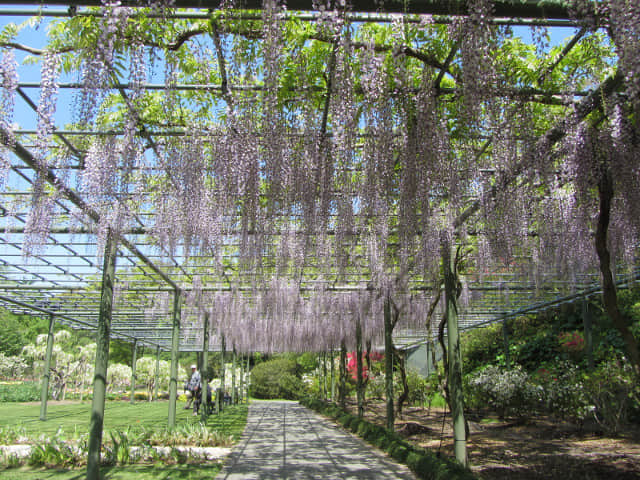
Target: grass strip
point(73, 418)
point(127, 472)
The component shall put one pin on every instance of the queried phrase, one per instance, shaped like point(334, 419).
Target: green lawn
point(119, 415)
point(129, 472)
point(72, 419)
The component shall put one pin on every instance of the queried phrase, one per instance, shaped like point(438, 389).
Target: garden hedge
point(424, 463)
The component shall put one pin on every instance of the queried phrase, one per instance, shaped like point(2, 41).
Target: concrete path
point(284, 440)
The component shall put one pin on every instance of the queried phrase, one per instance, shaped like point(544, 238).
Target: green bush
point(422, 462)
point(20, 392)
point(398, 451)
point(614, 395)
point(355, 424)
point(278, 378)
point(565, 394)
point(344, 420)
point(480, 345)
point(506, 391)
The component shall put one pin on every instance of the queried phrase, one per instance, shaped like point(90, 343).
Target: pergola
point(271, 166)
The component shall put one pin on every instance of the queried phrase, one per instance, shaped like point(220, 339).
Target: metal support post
point(233, 376)
point(44, 395)
point(588, 333)
point(223, 348)
point(324, 375)
point(342, 390)
point(205, 369)
point(359, 380)
point(157, 379)
point(454, 356)
point(333, 376)
point(134, 377)
point(102, 358)
point(246, 377)
point(175, 345)
point(505, 337)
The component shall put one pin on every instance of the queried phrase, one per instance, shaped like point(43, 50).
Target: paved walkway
point(284, 440)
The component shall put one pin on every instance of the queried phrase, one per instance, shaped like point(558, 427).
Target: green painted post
point(205, 369)
point(388, 362)
point(241, 380)
point(102, 358)
point(134, 377)
point(342, 391)
point(454, 357)
point(233, 376)
point(175, 345)
point(44, 394)
point(359, 380)
point(324, 375)
point(223, 347)
point(157, 379)
point(333, 376)
point(247, 377)
point(588, 333)
point(505, 336)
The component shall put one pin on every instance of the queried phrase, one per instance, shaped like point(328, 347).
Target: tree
point(19, 330)
point(146, 374)
point(70, 364)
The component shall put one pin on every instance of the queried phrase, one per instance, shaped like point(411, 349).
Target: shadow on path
point(284, 440)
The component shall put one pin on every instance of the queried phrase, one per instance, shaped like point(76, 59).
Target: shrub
point(508, 392)
point(425, 464)
point(20, 392)
point(564, 392)
point(480, 346)
point(614, 394)
point(355, 423)
point(12, 366)
point(398, 451)
point(278, 378)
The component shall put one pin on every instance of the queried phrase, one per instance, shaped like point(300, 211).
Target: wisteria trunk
point(388, 362)
point(609, 294)
point(402, 368)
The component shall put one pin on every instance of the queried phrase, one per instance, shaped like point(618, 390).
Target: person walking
point(193, 386)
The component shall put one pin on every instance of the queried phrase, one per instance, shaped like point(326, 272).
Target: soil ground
point(535, 449)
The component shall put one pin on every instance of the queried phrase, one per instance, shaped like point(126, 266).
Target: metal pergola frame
point(137, 298)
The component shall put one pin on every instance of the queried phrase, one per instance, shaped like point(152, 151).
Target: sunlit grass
point(128, 472)
point(73, 418)
point(142, 421)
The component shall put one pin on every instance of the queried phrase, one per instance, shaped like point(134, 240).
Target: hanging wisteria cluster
point(334, 155)
point(281, 318)
point(9, 78)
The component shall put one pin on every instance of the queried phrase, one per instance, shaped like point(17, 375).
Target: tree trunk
point(609, 294)
point(388, 362)
point(342, 389)
point(401, 356)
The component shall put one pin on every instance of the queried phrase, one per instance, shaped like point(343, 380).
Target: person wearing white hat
point(193, 388)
